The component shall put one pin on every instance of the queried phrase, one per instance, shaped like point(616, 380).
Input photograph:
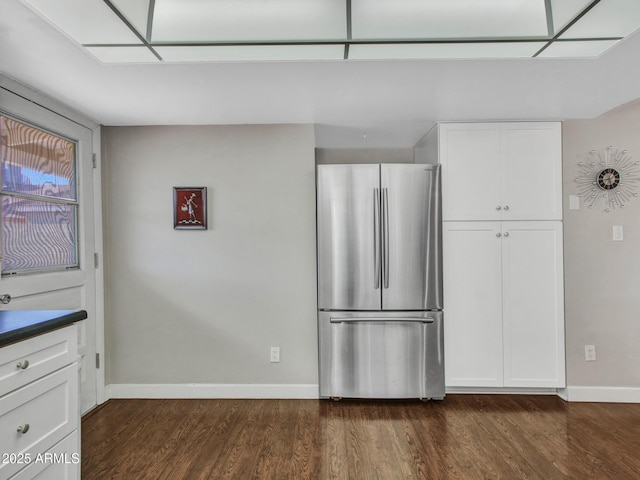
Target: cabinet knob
point(498, 234)
point(506, 234)
point(506, 207)
point(23, 428)
point(23, 364)
point(5, 298)
point(498, 207)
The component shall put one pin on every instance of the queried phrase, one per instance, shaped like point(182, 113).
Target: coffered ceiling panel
point(248, 20)
point(446, 50)
point(578, 49)
point(136, 12)
point(564, 11)
point(85, 21)
point(607, 18)
point(250, 53)
point(430, 19)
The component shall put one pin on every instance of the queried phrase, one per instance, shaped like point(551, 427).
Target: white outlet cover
point(574, 202)
point(618, 233)
point(590, 353)
point(275, 355)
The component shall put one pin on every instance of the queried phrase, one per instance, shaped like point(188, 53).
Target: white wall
point(204, 307)
point(602, 277)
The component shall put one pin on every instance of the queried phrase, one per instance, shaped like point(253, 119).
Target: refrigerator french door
point(380, 281)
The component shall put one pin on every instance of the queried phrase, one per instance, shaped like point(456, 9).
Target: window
point(39, 199)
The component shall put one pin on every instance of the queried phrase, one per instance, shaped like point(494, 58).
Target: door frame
point(35, 101)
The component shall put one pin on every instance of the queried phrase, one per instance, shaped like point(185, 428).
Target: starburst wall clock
point(608, 178)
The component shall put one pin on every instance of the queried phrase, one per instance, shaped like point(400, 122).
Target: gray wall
point(205, 306)
point(602, 277)
point(364, 155)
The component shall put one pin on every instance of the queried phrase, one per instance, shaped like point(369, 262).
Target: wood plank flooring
point(463, 437)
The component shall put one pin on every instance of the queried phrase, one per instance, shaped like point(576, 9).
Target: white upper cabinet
point(531, 184)
point(501, 171)
point(471, 172)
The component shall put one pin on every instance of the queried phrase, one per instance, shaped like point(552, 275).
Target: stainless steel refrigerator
point(380, 281)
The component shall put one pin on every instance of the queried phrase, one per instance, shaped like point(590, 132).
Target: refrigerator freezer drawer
point(381, 355)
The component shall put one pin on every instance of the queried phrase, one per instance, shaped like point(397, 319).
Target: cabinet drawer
point(46, 411)
point(28, 360)
point(62, 462)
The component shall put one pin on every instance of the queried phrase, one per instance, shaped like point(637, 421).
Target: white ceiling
point(353, 103)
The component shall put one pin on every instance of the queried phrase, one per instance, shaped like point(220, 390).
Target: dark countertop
point(16, 325)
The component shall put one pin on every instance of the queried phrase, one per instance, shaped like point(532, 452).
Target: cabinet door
point(470, 158)
point(46, 411)
point(533, 304)
point(472, 304)
point(531, 182)
point(62, 462)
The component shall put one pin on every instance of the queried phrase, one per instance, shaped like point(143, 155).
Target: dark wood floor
point(463, 437)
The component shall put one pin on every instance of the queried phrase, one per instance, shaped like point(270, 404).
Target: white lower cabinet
point(39, 407)
point(503, 298)
point(61, 462)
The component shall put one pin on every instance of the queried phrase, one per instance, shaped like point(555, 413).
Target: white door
point(533, 304)
point(531, 179)
point(470, 158)
point(472, 304)
point(75, 288)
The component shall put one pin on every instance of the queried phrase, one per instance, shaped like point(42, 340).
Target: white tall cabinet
point(502, 246)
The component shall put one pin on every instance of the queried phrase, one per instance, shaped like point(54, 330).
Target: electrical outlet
point(275, 355)
point(590, 353)
point(618, 233)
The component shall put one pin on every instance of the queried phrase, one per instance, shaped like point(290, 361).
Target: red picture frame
point(190, 208)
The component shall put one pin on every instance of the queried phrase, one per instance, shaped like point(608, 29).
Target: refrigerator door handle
point(385, 236)
point(382, 319)
point(376, 238)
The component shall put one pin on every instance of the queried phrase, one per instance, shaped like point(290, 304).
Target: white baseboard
point(310, 391)
point(502, 391)
point(199, 390)
point(569, 394)
point(602, 394)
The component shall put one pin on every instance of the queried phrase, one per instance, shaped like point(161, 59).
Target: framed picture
point(190, 208)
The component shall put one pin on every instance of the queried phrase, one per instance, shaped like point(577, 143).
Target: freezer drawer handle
point(382, 319)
